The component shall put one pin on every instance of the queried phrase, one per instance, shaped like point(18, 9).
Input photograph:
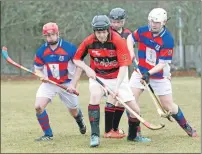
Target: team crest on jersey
point(112, 53)
point(170, 52)
point(124, 57)
point(61, 58)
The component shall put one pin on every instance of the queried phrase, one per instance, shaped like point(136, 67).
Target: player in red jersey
point(109, 61)
point(117, 18)
point(155, 51)
point(53, 61)
point(114, 113)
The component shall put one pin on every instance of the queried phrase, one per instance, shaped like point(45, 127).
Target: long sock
point(138, 130)
point(133, 127)
point(138, 127)
point(94, 118)
point(179, 117)
point(109, 115)
point(79, 118)
point(44, 123)
point(117, 117)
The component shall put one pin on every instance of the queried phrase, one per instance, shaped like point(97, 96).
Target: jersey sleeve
point(123, 54)
point(82, 50)
point(73, 50)
point(135, 36)
point(38, 61)
point(166, 52)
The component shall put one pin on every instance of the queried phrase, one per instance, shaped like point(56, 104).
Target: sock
point(109, 115)
point(79, 118)
point(138, 131)
point(133, 127)
point(138, 127)
point(44, 123)
point(94, 118)
point(117, 117)
point(179, 117)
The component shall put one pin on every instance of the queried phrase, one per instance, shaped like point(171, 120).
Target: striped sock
point(109, 115)
point(44, 123)
point(179, 117)
point(94, 118)
point(133, 123)
point(117, 117)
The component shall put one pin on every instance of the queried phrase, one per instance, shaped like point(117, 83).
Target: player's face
point(51, 37)
point(117, 24)
point(155, 26)
point(102, 35)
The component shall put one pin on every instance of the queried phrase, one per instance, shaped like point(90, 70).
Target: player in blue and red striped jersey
point(155, 51)
point(53, 61)
point(114, 113)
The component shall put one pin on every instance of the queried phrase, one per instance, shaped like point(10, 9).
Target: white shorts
point(160, 86)
point(49, 90)
point(125, 92)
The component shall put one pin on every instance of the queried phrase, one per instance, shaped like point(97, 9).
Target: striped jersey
point(152, 50)
point(57, 64)
point(125, 32)
point(105, 58)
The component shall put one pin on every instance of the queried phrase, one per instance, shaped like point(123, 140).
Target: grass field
point(19, 126)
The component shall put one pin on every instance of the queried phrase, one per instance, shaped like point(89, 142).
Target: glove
point(145, 77)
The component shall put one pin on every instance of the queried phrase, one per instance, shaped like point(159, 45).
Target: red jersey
point(124, 34)
point(105, 58)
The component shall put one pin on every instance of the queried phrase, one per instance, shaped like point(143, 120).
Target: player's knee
point(134, 106)
point(38, 109)
point(95, 98)
point(74, 112)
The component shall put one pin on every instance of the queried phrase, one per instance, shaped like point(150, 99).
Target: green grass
point(19, 126)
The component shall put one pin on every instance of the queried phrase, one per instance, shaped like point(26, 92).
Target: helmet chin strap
point(157, 32)
point(53, 43)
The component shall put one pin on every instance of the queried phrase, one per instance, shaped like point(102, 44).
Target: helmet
point(158, 15)
point(117, 14)
point(50, 26)
point(100, 23)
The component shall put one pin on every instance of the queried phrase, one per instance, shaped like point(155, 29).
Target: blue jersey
point(152, 50)
point(57, 64)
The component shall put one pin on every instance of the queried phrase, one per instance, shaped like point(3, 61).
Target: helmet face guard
point(117, 14)
point(100, 23)
point(158, 15)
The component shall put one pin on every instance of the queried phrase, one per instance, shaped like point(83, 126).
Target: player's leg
point(118, 112)
point(112, 116)
point(126, 95)
point(96, 93)
point(109, 120)
point(163, 89)
point(71, 101)
point(44, 95)
point(137, 89)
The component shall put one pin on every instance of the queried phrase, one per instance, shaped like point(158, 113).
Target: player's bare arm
point(43, 78)
point(120, 77)
point(89, 72)
point(74, 82)
point(130, 44)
